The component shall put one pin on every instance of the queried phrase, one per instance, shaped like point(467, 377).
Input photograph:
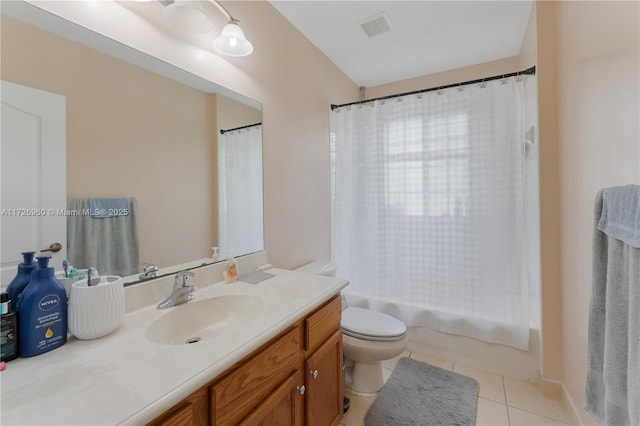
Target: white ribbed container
point(98, 310)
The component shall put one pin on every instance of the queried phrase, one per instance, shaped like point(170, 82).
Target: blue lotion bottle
point(19, 283)
point(42, 312)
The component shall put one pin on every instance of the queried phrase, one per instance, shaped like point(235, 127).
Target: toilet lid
point(366, 322)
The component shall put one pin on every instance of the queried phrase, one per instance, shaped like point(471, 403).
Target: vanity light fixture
point(190, 17)
point(232, 40)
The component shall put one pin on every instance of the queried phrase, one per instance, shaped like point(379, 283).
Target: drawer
point(237, 394)
point(320, 325)
point(192, 411)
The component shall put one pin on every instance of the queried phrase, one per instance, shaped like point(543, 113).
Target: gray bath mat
point(421, 394)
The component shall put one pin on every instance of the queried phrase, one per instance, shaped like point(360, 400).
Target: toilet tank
point(319, 267)
point(323, 267)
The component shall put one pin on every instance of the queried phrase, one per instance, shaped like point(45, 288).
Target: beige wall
point(129, 133)
point(598, 69)
point(550, 256)
point(457, 75)
point(296, 84)
point(231, 114)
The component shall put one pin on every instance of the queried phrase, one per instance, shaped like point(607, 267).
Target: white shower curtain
point(240, 191)
point(427, 200)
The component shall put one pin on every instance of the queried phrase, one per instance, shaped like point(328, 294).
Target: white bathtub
point(499, 359)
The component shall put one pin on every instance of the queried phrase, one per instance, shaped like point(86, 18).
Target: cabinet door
point(324, 393)
point(283, 407)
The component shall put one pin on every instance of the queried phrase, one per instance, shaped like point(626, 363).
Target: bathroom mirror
point(139, 127)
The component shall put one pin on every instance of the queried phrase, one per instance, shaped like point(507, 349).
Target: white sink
point(203, 319)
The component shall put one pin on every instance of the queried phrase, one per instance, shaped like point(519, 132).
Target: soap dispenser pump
point(22, 278)
point(42, 312)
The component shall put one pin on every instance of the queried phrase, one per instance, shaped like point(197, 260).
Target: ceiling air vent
point(376, 24)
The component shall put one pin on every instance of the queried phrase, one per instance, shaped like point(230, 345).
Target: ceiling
point(425, 37)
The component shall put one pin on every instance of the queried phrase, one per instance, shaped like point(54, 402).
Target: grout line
point(491, 400)
point(555, 419)
point(540, 415)
point(506, 401)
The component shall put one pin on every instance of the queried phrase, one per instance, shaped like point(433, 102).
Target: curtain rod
point(223, 131)
point(528, 71)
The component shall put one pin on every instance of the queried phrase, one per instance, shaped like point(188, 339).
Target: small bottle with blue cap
point(22, 278)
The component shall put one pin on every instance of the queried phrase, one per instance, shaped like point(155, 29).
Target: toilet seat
point(371, 325)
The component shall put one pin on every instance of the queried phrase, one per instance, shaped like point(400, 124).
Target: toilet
point(368, 338)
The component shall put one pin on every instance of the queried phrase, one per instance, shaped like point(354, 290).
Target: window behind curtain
point(429, 158)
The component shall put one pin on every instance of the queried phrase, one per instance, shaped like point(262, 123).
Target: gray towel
point(620, 217)
point(108, 207)
point(108, 244)
point(613, 375)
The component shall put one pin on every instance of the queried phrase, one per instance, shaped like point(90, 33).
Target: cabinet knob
point(314, 374)
point(301, 389)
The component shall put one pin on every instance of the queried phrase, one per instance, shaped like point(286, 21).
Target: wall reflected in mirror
point(132, 133)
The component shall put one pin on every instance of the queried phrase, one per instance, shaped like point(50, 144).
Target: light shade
point(232, 41)
point(188, 16)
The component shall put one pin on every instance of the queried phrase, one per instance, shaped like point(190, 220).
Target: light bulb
point(232, 41)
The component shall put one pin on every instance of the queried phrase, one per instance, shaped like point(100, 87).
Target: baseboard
point(556, 388)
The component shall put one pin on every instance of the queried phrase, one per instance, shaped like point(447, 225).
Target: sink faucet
point(149, 271)
point(182, 290)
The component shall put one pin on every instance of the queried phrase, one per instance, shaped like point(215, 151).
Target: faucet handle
point(147, 268)
point(183, 279)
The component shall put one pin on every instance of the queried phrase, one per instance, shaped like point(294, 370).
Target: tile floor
point(501, 400)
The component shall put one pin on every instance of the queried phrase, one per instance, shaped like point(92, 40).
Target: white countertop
point(126, 378)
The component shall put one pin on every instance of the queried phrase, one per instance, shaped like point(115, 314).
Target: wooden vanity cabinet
point(295, 379)
point(323, 365)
